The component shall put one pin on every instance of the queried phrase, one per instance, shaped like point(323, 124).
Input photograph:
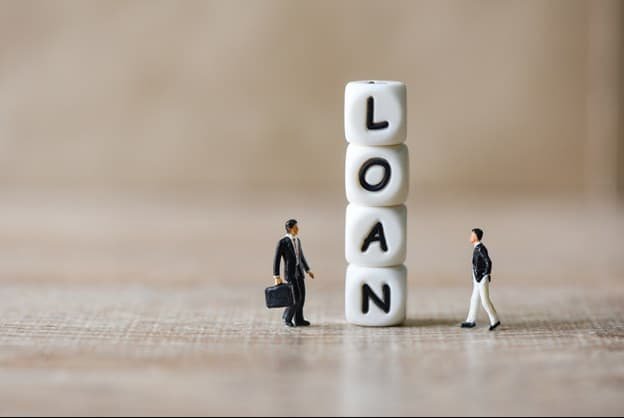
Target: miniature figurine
point(296, 266)
point(481, 275)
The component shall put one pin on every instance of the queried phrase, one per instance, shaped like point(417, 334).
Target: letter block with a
point(376, 237)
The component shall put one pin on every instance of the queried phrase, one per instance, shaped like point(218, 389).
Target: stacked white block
point(377, 185)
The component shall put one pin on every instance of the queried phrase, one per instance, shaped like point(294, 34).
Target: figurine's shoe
point(496, 325)
point(469, 325)
point(303, 323)
point(289, 324)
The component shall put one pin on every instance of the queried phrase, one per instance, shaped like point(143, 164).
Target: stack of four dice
point(377, 186)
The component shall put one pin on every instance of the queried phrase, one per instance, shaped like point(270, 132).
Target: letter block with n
point(376, 297)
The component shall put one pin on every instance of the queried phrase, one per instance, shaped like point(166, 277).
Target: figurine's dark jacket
point(481, 263)
point(286, 250)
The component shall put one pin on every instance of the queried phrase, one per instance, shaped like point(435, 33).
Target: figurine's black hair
point(479, 233)
point(290, 224)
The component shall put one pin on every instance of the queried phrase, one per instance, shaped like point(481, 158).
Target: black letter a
point(368, 295)
point(377, 234)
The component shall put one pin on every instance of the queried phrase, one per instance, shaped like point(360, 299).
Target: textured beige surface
point(154, 305)
point(197, 350)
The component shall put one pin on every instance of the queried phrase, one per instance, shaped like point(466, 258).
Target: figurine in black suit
point(481, 271)
point(295, 269)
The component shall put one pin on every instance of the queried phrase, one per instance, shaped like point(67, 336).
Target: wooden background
point(153, 305)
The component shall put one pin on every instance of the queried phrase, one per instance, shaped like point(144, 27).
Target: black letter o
point(383, 183)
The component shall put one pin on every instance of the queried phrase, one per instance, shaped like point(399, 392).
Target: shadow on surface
point(426, 323)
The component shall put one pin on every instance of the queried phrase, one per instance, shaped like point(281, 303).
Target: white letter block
point(376, 297)
point(375, 113)
point(377, 176)
point(376, 237)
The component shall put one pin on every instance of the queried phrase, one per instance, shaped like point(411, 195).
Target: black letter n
point(368, 295)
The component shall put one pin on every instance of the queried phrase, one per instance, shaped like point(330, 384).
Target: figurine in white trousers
point(481, 278)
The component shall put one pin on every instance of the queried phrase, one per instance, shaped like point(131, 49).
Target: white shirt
point(297, 246)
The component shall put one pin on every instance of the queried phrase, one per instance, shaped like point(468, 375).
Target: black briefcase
point(280, 296)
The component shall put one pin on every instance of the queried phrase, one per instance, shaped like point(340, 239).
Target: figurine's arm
point(277, 263)
point(306, 267)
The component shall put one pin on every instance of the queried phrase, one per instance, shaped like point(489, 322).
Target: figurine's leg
point(290, 312)
point(299, 318)
point(474, 303)
point(487, 302)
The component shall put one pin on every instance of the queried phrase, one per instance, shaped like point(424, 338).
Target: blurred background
point(162, 145)
point(213, 96)
point(238, 104)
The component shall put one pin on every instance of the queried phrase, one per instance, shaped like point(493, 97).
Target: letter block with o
point(377, 176)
